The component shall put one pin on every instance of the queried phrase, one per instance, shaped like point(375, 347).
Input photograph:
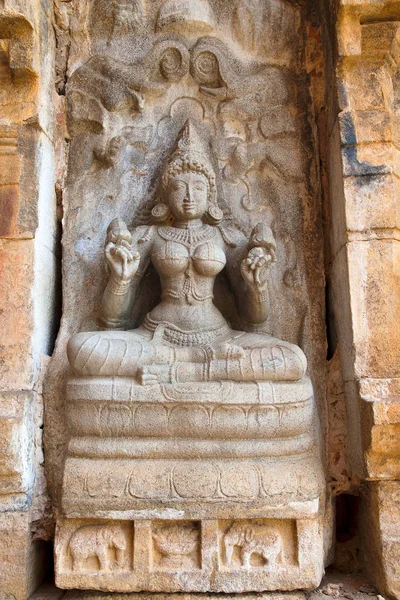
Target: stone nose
point(189, 196)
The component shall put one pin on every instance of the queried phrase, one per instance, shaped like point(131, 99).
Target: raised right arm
point(127, 256)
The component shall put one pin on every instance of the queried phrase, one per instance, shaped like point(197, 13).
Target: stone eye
point(199, 185)
point(178, 185)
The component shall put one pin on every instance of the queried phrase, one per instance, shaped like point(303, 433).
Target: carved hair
point(186, 164)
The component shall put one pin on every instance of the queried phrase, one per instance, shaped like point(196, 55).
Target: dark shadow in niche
point(331, 335)
point(57, 283)
point(347, 551)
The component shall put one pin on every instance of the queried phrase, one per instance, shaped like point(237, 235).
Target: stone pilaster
point(366, 240)
point(27, 275)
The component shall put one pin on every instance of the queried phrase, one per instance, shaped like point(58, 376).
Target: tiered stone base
point(214, 487)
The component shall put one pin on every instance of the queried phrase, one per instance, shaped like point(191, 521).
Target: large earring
point(160, 212)
point(214, 215)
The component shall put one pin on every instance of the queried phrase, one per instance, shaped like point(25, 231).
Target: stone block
point(365, 126)
point(370, 159)
point(374, 274)
point(16, 445)
point(10, 168)
point(382, 456)
point(372, 126)
point(181, 555)
point(17, 26)
point(380, 40)
point(9, 210)
point(381, 410)
point(372, 202)
point(16, 314)
point(20, 557)
point(380, 526)
point(80, 595)
point(368, 85)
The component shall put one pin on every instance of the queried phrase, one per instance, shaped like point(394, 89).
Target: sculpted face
point(187, 196)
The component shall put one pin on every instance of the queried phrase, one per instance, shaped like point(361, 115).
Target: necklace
point(187, 237)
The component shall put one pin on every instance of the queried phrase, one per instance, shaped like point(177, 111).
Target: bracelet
point(261, 296)
point(118, 288)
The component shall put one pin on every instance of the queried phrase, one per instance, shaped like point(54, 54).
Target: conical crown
point(189, 147)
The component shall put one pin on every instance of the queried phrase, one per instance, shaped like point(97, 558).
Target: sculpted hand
point(254, 268)
point(122, 262)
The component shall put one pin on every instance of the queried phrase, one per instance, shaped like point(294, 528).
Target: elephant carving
point(98, 540)
point(255, 539)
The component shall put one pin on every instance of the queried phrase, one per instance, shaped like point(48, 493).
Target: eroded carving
point(127, 16)
point(106, 542)
point(191, 15)
point(119, 86)
point(178, 544)
point(253, 539)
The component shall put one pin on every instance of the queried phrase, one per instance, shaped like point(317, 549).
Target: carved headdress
point(189, 155)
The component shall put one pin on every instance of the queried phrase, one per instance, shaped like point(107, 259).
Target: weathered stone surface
point(381, 526)
point(133, 73)
point(372, 203)
point(374, 276)
point(339, 460)
point(9, 207)
point(20, 558)
point(188, 137)
point(369, 264)
point(26, 45)
point(189, 389)
point(16, 365)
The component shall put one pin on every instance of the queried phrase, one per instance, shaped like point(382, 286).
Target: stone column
point(28, 265)
point(366, 268)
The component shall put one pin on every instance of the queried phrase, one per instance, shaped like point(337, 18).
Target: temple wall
point(28, 282)
point(366, 249)
point(347, 74)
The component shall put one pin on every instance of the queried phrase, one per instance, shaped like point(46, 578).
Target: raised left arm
point(247, 267)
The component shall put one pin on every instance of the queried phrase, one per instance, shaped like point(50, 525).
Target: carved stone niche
point(193, 457)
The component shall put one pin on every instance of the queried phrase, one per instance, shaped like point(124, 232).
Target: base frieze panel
point(178, 555)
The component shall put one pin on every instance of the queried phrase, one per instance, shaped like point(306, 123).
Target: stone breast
point(173, 258)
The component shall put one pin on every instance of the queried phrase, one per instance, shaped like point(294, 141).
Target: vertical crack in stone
point(63, 43)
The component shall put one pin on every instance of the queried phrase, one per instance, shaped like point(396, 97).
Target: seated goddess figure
point(185, 338)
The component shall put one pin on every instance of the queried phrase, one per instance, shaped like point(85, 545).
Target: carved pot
point(176, 545)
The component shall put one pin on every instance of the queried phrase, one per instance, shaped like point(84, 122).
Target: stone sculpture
point(98, 540)
point(188, 412)
point(192, 424)
point(251, 540)
point(185, 338)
